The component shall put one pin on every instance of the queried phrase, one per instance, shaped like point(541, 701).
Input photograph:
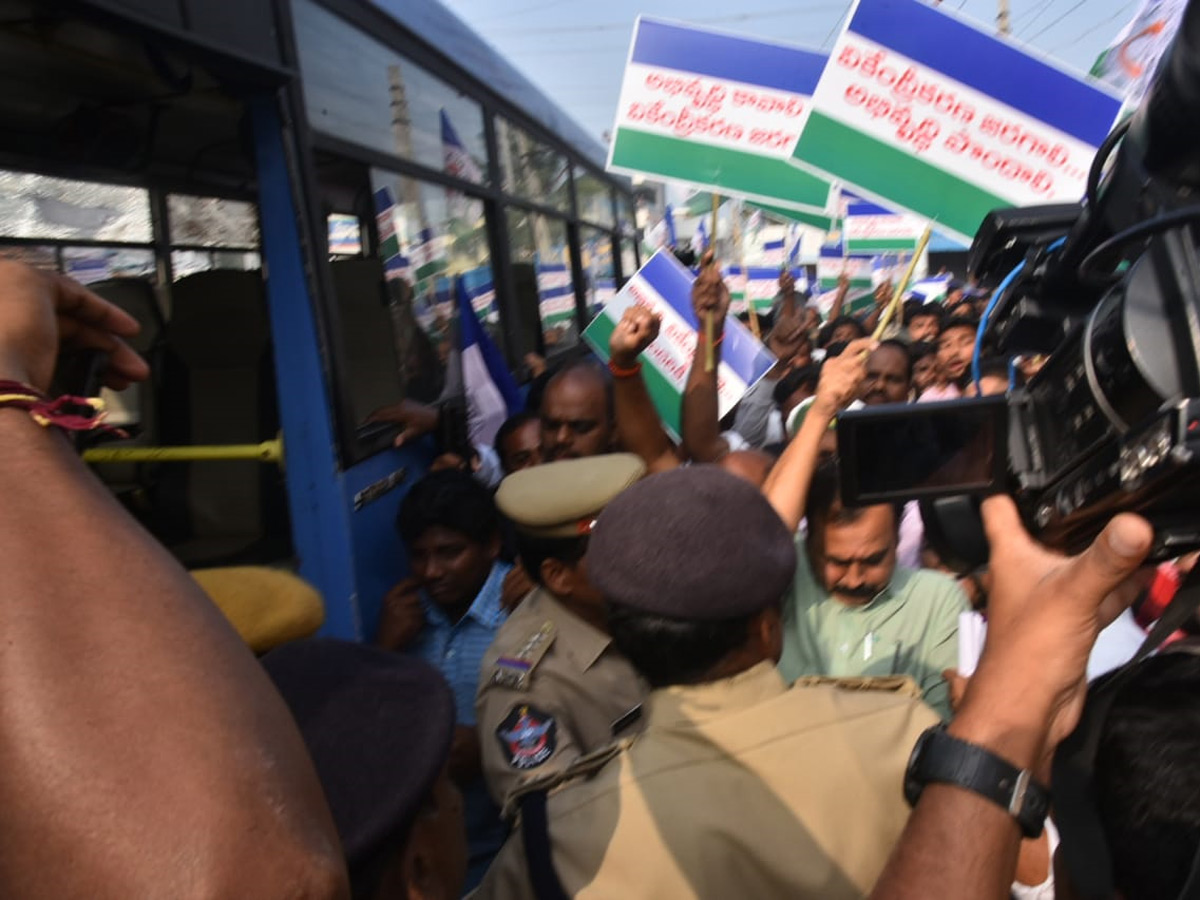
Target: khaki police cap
point(562, 499)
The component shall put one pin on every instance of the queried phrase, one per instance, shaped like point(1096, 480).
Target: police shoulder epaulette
point(894, 684)
point(513, 670)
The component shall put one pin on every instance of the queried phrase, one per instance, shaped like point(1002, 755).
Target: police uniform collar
point(683, 704)
point(581, 642)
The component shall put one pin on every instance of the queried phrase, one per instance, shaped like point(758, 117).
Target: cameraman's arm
point(699, 419)
point(787, 486)
point(1025, 698)
point(143, 751)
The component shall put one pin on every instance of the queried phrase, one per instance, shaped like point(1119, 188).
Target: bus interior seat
point(135, 408)
point(372, 362)
point(219, 388)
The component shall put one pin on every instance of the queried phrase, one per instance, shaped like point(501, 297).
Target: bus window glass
point(530, 169)
point(398, 310)
point(189, 262)
point(625, 220)
point(545, 289)
point(32, 255)
point(89, 264)
point(37, 206)
point(593, 197)
point(628, 258)
point(598, 272)
point(359, 90)
point(211, 222)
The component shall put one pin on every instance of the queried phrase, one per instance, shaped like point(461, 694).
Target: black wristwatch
point(943, 758)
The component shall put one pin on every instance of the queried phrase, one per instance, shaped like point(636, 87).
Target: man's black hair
point(998, 367)
point(826, 333)
point(451, 499)
point(960, 322)
point(536, 550)
point(824, 504)
point(806, 376)
point(918, 350)
point(667, 651)
point(1147, 781)
point(923, 309)
point(511, 424)
point(903, 348)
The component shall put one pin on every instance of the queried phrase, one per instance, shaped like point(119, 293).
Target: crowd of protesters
point(633, 667)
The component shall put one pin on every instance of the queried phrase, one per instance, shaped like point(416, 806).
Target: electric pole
point(1002, 23)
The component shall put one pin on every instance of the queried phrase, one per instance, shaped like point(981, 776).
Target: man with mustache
point(852, 610)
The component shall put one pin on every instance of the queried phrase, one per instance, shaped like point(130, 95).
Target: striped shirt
point(456, 648)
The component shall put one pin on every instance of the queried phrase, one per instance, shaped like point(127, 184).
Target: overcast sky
point(576, 51)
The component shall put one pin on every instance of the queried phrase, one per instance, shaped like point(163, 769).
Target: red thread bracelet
point(66, 412)
point(619, 372)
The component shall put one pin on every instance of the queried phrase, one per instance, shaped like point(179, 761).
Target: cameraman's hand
point(1044, 614)
point(635, 332)
point(842, 376)
point(710, 294)
point(41, 312)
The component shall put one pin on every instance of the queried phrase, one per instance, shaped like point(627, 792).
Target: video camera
point(1110, 289)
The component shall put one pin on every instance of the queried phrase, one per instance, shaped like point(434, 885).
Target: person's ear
point(767, 630)
point(422, 878)
point(558, 577)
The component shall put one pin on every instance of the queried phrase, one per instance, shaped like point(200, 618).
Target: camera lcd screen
point(923, 450)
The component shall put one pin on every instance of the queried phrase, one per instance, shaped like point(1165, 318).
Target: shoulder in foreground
point(857, 696)
point(580, 771)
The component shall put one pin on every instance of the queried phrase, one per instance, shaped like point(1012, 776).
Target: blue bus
point(285, 193)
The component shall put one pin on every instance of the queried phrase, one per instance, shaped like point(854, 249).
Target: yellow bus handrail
point(267, 452)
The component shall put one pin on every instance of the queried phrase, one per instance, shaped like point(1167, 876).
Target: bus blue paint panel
point(380, 560)
point(321, 531)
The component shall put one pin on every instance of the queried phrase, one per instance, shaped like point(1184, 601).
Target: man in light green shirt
point(904, 623)
point(852, 611)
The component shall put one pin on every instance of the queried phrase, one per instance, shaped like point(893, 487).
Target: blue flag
point(669, 218)
point(491, 392)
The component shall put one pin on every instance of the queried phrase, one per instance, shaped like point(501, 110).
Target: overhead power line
point(1061, 18)
point(628, 24)
point(1124, 10)
point(1028, 24)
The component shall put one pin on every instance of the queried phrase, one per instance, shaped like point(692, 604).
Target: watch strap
point(941, 757)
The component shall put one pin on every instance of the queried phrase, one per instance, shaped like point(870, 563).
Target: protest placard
point(923, 111)
point(664, 286)
point(831, 264)
point(870, 228)
point(719, 111)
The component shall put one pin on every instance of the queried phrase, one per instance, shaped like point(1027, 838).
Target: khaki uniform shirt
point(736, 788)
point(551, 689)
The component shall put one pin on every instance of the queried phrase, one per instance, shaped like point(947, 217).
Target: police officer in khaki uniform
point(552, 686)
point(738, 786)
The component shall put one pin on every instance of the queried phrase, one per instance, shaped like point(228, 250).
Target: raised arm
point(787, 486)
point(143, 752)
point(700, 419)
point(787, 294)
point(839, 299)
point(638, 426)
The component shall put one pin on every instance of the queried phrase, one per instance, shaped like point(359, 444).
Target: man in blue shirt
point(447, 613)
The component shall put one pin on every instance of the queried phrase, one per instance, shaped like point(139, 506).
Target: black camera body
point(1110, 289)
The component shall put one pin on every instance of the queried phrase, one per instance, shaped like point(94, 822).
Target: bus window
point(32, 255)
point(530, 169)
point(38, 206)
point(211, 222)
point(545, 288)
point(600, 277)
point(629, 259)
point(91, 264)
point(594, 198)
point(362, 91)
